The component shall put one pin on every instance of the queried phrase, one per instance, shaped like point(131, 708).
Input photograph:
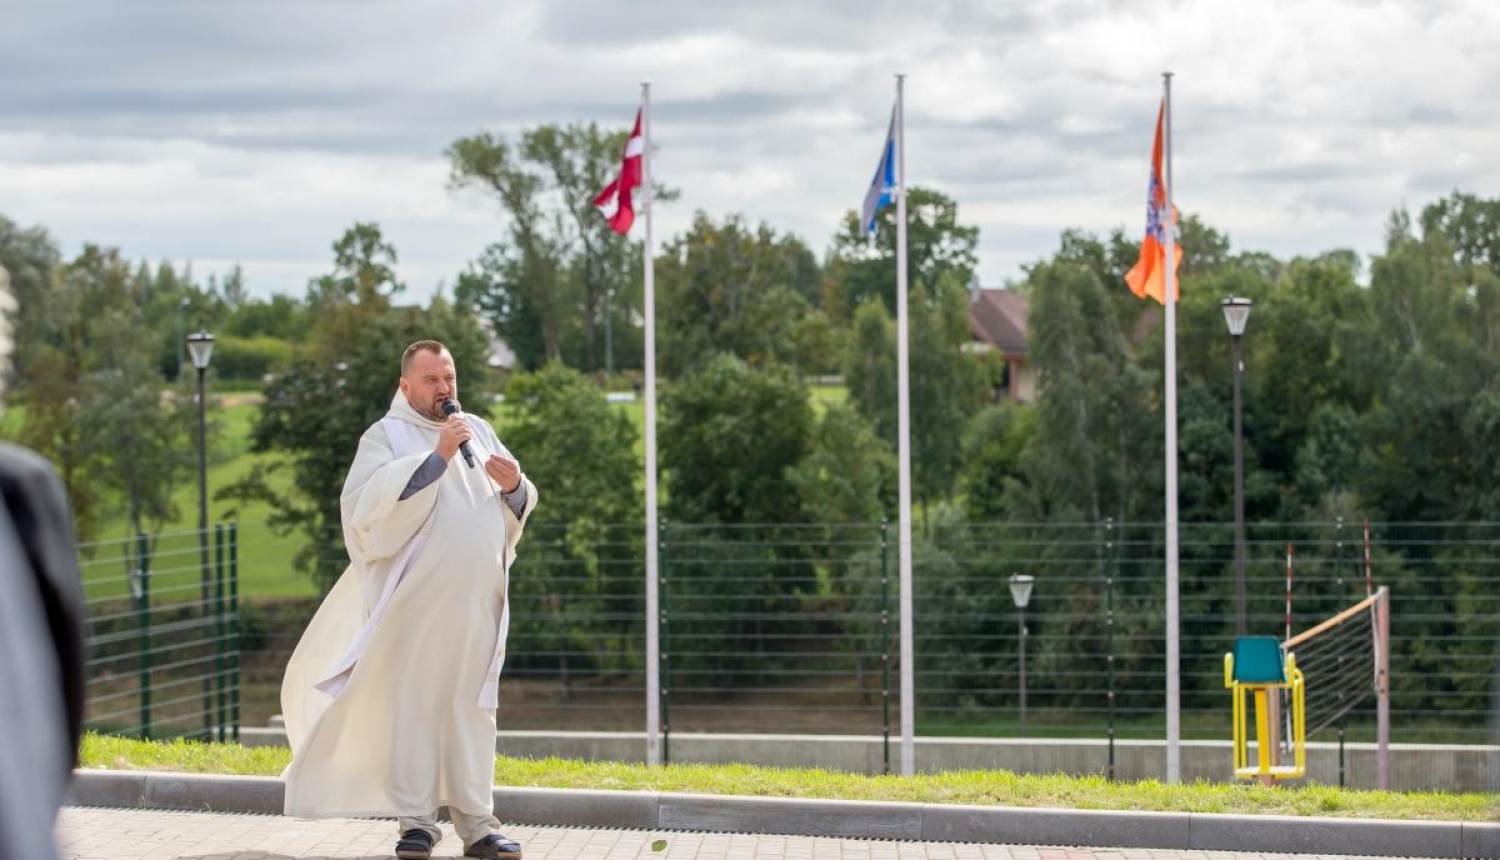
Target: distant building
point(997, 322)
point(498, 354)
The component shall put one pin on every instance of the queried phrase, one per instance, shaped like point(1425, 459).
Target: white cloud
point(255, 132)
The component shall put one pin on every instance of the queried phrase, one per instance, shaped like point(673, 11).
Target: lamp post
point(1236, 314)
point(609, 335)
point(201, 345)
point(1020, 592)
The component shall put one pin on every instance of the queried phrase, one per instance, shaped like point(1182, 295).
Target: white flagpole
point(1174, 681)
point(653, 605)
point(903, 446)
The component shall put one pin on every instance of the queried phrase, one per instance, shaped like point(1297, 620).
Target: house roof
point(998, 317)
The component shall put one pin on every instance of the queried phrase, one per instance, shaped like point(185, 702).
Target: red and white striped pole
point(1369, 571)
point(1288, 591)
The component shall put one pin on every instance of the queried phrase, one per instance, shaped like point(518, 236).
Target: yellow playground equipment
point(1259, 665)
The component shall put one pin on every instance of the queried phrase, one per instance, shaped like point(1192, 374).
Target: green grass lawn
point(984, 788)
point(265, 560)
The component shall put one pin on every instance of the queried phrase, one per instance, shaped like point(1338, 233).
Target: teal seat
point(1258, 660)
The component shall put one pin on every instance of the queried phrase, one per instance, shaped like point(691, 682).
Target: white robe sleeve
point(377, 521)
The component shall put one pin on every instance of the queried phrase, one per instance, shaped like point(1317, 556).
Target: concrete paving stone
point(89, 833)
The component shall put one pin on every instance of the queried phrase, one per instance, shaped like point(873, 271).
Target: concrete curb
point(644, 810)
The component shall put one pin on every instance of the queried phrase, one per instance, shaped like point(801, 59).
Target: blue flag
point(882, 191)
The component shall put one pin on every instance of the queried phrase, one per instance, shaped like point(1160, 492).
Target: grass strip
point(981, 788)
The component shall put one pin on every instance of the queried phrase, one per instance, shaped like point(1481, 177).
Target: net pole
point(1369, 569)
point(1288, 592)
point(1383, 689)
point(1276, 694)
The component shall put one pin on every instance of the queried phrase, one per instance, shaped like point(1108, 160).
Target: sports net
point(1340, 658)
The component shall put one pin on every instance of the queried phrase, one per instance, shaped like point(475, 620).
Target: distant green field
point(265, 560)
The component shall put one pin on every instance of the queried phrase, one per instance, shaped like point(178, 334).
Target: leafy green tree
point(947, 387)
point(849, 474)
point(1419, 296)
point(316, 411)
point(89, 385)
point(947, 384)
point(1080, 357)
point(364, 271)
point(575, 445)
point(280, 316)
point(586, 533)
point(937, 246)
point(728, 288)
point(994, 444)
point(870, 368)
point(735, 433)
point(560, 276)
point(143, 443)
point(31, 258)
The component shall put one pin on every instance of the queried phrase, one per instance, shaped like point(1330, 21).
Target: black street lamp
point(1236, 314)
point(201, 345)
point(1020, 592)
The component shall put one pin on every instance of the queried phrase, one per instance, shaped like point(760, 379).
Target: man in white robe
point(389, 698)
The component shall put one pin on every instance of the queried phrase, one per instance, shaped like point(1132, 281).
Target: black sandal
point(494, 847)
point(414, 845)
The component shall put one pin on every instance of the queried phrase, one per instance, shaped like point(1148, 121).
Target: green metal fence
point(163, 628)
point(791, 628)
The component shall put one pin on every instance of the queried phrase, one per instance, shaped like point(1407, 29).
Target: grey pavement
point(86, 833)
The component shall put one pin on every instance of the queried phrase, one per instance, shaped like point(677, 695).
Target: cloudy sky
point(256, 132)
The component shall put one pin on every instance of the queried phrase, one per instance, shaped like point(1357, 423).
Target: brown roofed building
point(997, 321)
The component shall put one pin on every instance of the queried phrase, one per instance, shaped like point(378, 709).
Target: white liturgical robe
point(389, 698)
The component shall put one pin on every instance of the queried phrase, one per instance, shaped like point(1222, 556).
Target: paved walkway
point(130, 834)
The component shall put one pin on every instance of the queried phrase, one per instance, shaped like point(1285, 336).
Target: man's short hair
point(431, 346)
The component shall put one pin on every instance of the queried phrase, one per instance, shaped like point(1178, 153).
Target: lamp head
point(201, 344)
point(1020, 589)
point(1236, 314)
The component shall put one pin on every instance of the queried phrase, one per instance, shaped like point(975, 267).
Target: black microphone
point(449, 407)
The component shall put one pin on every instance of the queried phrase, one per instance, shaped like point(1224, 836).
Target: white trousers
point(470, 828)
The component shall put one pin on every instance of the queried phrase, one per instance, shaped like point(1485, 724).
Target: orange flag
point(1148, 276)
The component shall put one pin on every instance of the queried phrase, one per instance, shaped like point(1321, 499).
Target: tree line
point(1372, 389)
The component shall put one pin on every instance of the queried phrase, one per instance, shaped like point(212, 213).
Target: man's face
point(429, 381)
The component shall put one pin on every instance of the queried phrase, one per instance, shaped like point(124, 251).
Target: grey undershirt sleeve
point(516, 501)
point(433, 468)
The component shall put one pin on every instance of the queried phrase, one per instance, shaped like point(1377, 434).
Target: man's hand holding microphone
point(454, 437)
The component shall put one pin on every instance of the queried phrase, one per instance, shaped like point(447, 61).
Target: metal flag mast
point(653, 609)
point(1174, 679)
point(903, 434)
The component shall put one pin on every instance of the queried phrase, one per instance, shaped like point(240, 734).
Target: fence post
point(234, 621)
point(665, 640)
point(1109, 637)
point(885, 645)
point(219, 632)
point(143, 619)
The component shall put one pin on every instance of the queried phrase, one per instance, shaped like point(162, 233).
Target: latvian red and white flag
point(629, 179)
